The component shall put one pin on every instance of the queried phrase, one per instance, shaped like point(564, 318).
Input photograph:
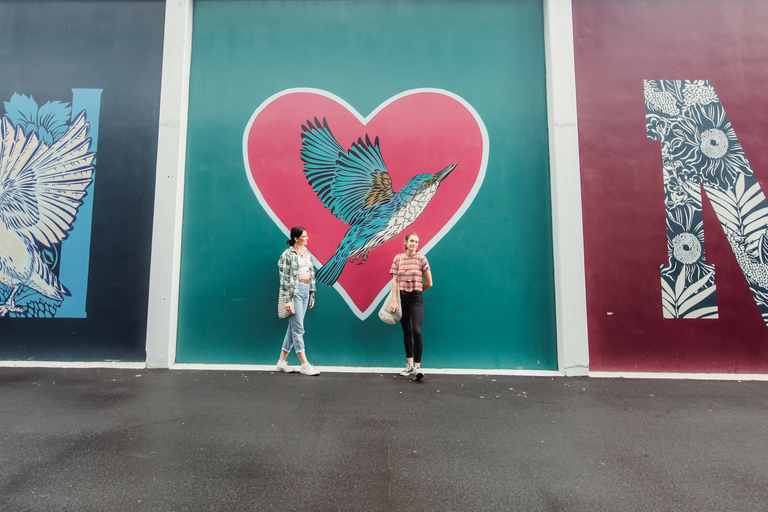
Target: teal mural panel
point(428, 85)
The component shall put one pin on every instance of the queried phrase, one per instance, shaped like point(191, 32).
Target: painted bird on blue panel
point(41, 189)
point(357, 188)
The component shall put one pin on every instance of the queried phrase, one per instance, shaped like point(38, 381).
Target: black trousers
point(413, 316)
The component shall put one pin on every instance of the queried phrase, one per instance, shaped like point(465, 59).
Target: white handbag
point(386, 315)
point(282, 298)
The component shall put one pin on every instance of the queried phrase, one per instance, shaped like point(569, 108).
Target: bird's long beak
point(441, 175)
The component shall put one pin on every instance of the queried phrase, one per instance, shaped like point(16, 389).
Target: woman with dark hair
point(297, 282)
point(411, 276)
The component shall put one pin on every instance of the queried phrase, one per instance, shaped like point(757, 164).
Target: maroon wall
point(618, 44)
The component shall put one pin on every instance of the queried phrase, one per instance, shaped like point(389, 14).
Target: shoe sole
point(286, 370)
point(310, 374)
point(418, 376)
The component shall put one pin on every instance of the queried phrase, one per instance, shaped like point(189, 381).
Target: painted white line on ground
point(360, 369)
point(76, 364)
point(679, 376)
point(387, 370)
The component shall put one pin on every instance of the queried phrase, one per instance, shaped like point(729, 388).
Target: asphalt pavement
point(169, 440)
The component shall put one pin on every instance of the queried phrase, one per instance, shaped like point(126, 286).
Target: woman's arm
point(395, 292)
point(427, 279)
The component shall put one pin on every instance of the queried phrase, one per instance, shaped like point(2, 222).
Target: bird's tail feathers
point(46, 282)
point(330, 272)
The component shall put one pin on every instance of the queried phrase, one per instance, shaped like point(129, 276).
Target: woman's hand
point(395, 292)
point(289, 307)
point(311, 303)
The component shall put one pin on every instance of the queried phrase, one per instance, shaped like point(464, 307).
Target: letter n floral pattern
point(699, 148)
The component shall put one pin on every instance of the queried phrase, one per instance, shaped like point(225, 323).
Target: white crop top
point(304, 265)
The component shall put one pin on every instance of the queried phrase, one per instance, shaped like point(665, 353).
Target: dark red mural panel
point(628, 187)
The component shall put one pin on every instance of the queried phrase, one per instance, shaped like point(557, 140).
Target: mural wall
point(673, 160)
point(361, 122)
point(78, 140)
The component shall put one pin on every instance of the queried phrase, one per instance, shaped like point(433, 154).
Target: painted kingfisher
point(357, 188)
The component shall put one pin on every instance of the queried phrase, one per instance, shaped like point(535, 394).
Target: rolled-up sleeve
point(284, 267)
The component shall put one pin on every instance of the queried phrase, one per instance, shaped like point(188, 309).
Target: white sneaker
point(308, 369)
point(282, 366)
point(418, 373)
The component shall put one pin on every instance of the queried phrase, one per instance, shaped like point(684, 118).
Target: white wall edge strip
point(361, 369)
point(123, 365)
point(565, 185)
point(76, 364)
point(680, 376)
point(165, 265)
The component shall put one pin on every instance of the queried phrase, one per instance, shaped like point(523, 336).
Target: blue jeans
point(294, 336)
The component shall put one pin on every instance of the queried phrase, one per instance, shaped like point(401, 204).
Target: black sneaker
point(418, 374)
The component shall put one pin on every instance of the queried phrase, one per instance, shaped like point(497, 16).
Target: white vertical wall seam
point(565, 183)
point(162, 315)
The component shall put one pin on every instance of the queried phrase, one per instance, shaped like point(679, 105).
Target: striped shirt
point(410, 271)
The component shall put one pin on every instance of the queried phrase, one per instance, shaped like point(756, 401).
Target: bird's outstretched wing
point(348, 183)
point(42, 187)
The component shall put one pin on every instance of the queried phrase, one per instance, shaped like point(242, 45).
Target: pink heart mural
point(419, 131)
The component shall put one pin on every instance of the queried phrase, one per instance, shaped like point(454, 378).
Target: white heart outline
point(362, 315)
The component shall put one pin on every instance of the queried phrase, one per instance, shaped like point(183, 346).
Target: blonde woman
point(411, 275)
